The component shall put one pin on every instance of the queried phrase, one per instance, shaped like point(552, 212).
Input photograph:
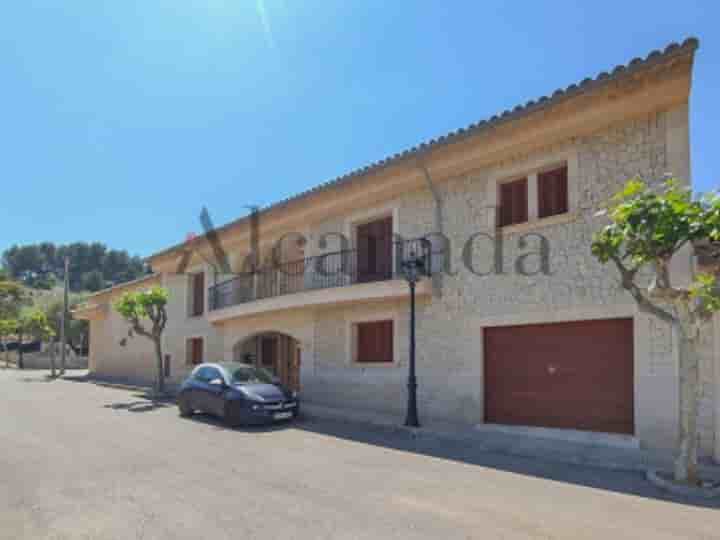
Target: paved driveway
point(81, 460)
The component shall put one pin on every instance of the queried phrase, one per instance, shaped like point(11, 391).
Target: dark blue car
point(238, 393)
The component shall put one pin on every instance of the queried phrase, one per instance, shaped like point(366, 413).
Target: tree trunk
point(52, 358)
point(63, 353)
point(160, 383)
point(20, 364)
point(687, 449)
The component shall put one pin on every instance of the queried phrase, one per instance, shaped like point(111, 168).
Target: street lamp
point(413, 270)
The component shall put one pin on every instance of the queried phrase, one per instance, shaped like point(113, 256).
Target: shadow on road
point(144, 398)
point(44, 378)
point(144, 403)
point(624, 482)
point(218, 423)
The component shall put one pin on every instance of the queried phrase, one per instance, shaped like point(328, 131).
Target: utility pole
point(63, 319)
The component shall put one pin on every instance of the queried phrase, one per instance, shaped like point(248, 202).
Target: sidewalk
point(613, 457)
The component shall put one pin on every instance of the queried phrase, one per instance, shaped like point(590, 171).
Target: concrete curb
point(525, 446)
point(706, 492)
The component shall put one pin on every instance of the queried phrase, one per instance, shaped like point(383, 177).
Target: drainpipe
point(437, 280)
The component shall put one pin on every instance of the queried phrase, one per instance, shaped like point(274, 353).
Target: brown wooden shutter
point(562, 191)
point(513, 203)
point(505, 213)
point(384, 253)
point(196, 351)
point(552, 192)
point(520, 201)
point(375, 342)
point(198, 294)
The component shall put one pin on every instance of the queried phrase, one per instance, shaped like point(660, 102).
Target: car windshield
point(250, 375)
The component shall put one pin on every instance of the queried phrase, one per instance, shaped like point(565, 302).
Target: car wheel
point(184, 406)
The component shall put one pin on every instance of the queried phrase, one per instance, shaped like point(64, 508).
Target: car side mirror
point(218, 382)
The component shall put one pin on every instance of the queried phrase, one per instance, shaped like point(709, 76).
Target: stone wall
point(450, 326)
point(182, 327)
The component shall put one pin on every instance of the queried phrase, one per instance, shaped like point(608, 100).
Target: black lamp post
point(413, 269)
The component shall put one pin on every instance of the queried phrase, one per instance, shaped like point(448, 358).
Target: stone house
point(504, 336)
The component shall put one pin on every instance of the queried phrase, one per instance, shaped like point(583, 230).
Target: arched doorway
point(277, 352)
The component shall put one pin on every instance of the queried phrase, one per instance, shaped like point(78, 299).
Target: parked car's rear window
point(250, 375)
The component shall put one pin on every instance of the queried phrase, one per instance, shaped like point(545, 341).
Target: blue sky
point(120, 120)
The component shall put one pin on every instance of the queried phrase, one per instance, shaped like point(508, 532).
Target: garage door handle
point(551, 369)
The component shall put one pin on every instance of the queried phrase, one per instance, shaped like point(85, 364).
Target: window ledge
point(560, 219)
point(383, 365)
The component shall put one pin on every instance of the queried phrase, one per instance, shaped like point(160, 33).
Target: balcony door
point(375, 250)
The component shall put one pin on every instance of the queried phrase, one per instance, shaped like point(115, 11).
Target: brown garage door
point(576, 375)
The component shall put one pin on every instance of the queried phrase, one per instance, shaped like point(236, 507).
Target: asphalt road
point(82, 460)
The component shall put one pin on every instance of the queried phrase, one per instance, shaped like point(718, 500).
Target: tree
point(40, 265)
point(647, 227)
point(33, 323)
point(151, 304)
point(8, 327)
point(76, 330)
point(92, 281)
point(12, 298)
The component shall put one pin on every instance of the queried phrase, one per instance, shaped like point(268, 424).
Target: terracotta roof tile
point(603, 77)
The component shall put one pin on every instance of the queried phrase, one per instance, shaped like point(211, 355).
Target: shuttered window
point(194, 351)
point(552, 192)
point(198, 294)
point(375, 342)
point(513, 202)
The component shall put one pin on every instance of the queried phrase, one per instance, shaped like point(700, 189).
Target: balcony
point(361, 273)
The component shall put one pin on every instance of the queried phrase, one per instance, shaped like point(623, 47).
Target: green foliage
point(647, 225)
point(92, 281)
point(75, 329)
point(34, 322)
point(42, 265)
point(135, 306)
point(8, 327)
point(711, 215)
point(13, 297)
point(705, 291)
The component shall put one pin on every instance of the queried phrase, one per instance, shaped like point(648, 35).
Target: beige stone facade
point(634, 122)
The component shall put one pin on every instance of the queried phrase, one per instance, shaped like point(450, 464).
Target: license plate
point(282, 415)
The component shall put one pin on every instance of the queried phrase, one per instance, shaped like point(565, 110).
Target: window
point(513, 202)
point(197, 294)
point(194, 351)
point(374, 342)
point(208, 374)
point(552, 192)
point(204, 374)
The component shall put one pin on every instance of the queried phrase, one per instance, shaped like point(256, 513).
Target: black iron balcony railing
point(337, 269)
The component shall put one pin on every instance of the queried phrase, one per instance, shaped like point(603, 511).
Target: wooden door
point(576, 375)
point(293, 373)
point(374, 250)
point(269, 354)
